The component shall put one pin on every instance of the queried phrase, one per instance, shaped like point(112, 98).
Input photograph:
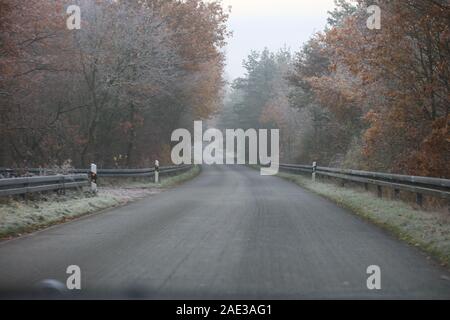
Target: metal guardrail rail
point(135, 173)
point(420, 185)
point(124, 173)
point(77, 178)
point(15, 186)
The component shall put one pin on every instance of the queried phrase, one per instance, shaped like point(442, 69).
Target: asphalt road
point(229, 233)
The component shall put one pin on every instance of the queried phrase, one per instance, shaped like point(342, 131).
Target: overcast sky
point(271, 23)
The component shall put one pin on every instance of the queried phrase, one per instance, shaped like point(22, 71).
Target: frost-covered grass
point(428, 230)
point(168, 182)
point(19, 216)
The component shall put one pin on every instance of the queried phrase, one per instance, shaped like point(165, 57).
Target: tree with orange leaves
point(389, 87)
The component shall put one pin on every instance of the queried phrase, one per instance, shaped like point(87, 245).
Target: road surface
point(229, 233)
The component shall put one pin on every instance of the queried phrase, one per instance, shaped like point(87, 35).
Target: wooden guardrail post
point(419, 199)
point(314, 169)
point(156, 171)
point(396, 194)
point(25, 194)
point(380, 192)
point(62, 182)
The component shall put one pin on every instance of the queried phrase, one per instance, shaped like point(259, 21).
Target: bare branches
point(131, 73)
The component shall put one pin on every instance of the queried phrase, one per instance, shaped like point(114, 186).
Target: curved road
point(229, 233)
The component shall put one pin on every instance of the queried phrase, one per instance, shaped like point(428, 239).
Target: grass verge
point(429, 231)
point(147, 183)
point(19, 217)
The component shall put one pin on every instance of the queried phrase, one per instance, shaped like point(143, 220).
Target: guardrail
point(110, 173)
point(419, 185)
point(15, 186)
point(77, 178)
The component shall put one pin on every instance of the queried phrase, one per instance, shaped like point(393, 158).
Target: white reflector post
point(156, 171)
point(93, 178)
point(314, 169)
